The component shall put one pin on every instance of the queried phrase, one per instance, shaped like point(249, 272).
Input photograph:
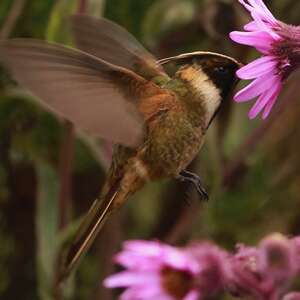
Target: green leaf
point(4, 8)
point(128, 13)
point(96, 7)
point(34, 19)
point(59, 24)
point(46, 227)
point(65, 237)
point(164, 16)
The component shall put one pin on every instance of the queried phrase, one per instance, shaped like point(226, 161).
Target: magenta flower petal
point(126, 278)
point(259, 104)
point(259, 39)
point(259, 22)
point(137, 261)
point(145, 293)
point(177, 259)
point(251, 26)
point(266, 12)
point(145, 248)
point(262, 101)
point(134, 256)
point(257, 68)
point(129, 294)
point(280, 45)
point(256, 87)
point(272, 101)
point(261, 9)
point(193, 295)
point(149, 291)
point(292, 296)
point(246, 5)
point(262, 26)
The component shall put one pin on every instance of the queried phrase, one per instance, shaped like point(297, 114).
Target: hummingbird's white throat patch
point(210, 94)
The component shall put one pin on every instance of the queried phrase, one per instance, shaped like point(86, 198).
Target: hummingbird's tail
point(117, 194)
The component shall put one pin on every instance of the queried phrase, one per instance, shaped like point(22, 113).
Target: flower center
point(287, 50)
point(176, 283)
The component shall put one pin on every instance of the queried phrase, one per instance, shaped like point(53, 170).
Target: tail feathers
point(88, 230)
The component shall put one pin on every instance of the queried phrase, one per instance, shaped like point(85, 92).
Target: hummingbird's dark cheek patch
point(223, 76)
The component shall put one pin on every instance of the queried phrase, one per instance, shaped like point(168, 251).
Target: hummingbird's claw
point(196, 181)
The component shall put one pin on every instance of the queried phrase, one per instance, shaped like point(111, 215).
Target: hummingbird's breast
point(172, 143)
point(175, 131)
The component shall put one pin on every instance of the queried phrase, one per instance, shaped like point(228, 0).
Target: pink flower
point(292, 296)
point(203, 271)
point(265, 272)
point(245, 277)
point(280, 45)
point(161, 272)
point(154, 271)
point(214, 269)
point(277, 259)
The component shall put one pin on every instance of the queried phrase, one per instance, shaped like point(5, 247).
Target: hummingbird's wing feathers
point(90, 92)
point(114, 44)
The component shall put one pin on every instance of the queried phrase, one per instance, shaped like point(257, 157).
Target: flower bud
point(277, 258)
point(214, 269)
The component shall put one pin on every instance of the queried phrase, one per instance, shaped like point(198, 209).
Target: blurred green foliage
point(252, 192)
point(46, 227)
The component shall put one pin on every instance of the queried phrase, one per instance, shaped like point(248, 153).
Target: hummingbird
point(156, 112)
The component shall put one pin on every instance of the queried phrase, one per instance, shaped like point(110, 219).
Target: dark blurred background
point(50, 173)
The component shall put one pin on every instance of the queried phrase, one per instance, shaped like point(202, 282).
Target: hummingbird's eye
point(221, 70)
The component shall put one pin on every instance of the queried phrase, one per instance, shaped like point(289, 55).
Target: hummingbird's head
point(208, 66)
point(212, 76)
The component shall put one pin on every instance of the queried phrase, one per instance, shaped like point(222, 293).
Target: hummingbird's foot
point(196, 181)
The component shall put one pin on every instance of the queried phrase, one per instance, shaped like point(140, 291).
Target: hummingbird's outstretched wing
point(91, 93)
point(114, 44)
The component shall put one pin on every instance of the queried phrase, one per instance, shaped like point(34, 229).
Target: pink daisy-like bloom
point(158, 271)
point(280, 45)
point(154, 271)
